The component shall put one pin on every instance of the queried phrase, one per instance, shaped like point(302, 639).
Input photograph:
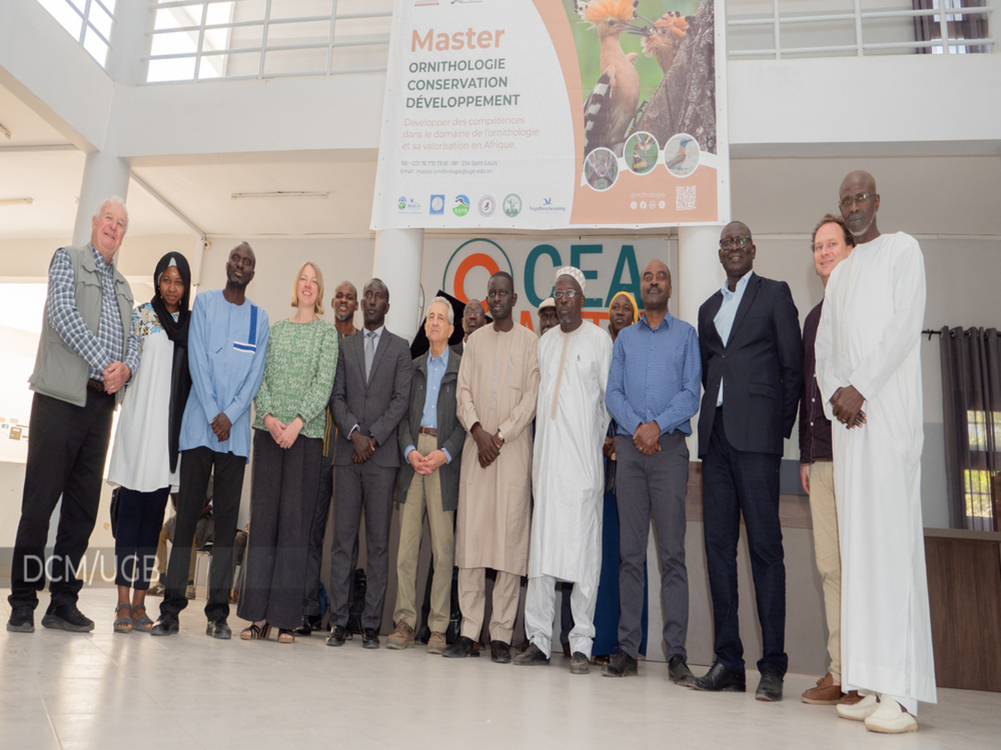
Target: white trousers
point(540, 614)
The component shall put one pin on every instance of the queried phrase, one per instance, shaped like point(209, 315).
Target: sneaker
point(189, 592)
point(22, 619)
point(156, 589)
point(402, 637)
point(436, 643)
point(826, 693)
point(67, 617)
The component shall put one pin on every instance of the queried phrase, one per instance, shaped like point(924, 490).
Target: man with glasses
point(653, 393)
point(568, 475)
point(869, 372)
point(752, 372)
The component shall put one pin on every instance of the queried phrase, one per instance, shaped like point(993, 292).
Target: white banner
point(543, 114)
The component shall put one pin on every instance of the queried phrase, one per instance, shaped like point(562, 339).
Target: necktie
point(369, 353)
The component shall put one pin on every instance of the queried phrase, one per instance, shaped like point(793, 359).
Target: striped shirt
point(100, 349)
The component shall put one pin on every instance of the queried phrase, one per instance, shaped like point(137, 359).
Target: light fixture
point(5, 132)
point(16, 201)
point(281, 194)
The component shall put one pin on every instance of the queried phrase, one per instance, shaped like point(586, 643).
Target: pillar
point(399, 255)
point(700, 276)
point(104, 175)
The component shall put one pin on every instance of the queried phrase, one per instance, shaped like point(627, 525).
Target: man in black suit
point(752, 374)
point(370, 396)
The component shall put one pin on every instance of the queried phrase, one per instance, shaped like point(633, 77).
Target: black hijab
point(177, 331)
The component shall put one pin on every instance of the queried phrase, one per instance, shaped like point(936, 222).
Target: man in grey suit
point(370, 396)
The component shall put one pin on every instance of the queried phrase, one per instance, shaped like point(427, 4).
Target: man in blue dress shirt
point(653, 393)
point(227, 344)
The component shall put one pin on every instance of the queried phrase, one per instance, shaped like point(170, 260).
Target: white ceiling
point(945, 195)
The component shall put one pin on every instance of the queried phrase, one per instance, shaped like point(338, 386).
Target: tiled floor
point(108, 691)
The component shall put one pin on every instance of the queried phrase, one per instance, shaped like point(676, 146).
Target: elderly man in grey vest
point(86, 353)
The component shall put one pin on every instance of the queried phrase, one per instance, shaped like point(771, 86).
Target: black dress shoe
point(719, 678)
point(678, 669)
point(166, 625)
point(305, 627)
point(620, 665)
point(770, 686)
point(500, 652)
point(369, 638)
point(336, 637)
point(531, 657)
point(315, 622)
point(462, 648)
point(67, 617)
point(218, 629)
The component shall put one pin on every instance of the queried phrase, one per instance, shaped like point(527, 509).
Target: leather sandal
point(286, 636)
point(143, 623)
point(255, 633)
point(123, 624)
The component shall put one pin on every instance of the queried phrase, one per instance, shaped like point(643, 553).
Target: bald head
point(655, 286)
point(345, 301)
point(859, 203)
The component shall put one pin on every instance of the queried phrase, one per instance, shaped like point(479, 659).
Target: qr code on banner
point(684, 198)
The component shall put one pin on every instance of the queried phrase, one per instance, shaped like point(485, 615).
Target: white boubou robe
point(568, 477)
point(869, 337)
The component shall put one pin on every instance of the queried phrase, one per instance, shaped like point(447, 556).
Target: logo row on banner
point(599, 113)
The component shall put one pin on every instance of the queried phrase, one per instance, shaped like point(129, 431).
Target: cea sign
point(608, 268)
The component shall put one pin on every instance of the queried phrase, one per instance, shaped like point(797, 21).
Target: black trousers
point(734, 484)
point(67, 448)
point(196, 466)
point(282, 504)
point(140, 518)
point(318, 527)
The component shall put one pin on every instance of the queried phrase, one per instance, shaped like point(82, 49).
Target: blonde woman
point(288, 445)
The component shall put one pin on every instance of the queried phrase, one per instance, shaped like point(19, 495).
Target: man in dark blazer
point(752, 375)
point(431, 440)
point(370, 396)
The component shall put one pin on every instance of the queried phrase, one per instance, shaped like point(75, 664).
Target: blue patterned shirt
point(656, 376)
point(102, 348)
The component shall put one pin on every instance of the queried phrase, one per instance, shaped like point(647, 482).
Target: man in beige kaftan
point(496, 394)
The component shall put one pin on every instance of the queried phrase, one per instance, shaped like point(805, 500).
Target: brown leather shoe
point(402, 637)
point(850, 698)
point(826, 693)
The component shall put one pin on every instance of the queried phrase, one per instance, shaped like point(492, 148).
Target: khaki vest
point(59, 371)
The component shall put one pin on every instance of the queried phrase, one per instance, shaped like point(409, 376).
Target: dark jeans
point(734, 483)
point(196, 466)
point(140, 518)
point(67, 447)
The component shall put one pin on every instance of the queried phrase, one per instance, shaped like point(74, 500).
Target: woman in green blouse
point(288, 446)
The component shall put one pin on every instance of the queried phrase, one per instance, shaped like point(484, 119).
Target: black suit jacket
point(451, 433)
point(376, 406)
point(761, 364)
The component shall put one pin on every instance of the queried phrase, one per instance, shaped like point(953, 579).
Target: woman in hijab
point(622, 312)
point(144, 459)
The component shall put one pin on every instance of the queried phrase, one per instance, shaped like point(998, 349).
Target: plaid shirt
point(98, 350)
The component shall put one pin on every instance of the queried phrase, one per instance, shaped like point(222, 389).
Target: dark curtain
point(971, 398)
point(961, 25)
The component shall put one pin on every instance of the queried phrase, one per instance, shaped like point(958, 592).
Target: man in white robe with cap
point(869, 373)
point(568, 475)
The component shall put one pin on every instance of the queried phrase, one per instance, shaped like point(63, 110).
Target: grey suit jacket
point(376, 406)
point(451, 433)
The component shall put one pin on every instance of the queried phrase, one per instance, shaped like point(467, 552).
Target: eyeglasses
point(740, 242)
point(568, 293)
point(848, 200)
